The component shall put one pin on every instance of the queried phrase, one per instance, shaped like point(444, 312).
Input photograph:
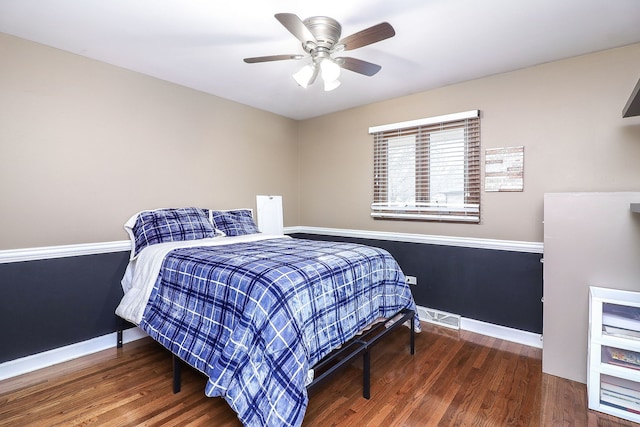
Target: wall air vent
point(439, 317)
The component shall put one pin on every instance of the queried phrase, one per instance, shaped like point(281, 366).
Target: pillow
point(237, 222)
point(168, 225)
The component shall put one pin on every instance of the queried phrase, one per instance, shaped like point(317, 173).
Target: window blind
point(428, 169)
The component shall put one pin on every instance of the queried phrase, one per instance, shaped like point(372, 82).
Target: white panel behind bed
point(270, 214)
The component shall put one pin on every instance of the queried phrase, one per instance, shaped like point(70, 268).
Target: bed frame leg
point(176, 373)
point(412, 338)
point(366, 375)
point(120, 326)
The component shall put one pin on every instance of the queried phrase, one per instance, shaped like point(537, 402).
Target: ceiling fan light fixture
point(305, 76)
point(321, 39)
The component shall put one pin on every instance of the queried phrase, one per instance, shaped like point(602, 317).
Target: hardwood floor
point(454, 379)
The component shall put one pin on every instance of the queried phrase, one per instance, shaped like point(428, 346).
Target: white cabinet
point(613, 377)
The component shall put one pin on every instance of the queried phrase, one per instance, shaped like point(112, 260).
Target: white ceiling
point(200, 44)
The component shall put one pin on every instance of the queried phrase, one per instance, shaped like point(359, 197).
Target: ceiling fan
point(320, 37)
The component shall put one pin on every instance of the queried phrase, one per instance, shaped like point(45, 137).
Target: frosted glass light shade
point(330, 70)
point(303, 77)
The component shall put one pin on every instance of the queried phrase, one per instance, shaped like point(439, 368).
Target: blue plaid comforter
point(255, 317)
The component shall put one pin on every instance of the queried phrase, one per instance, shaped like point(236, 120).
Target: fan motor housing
point(326, 30)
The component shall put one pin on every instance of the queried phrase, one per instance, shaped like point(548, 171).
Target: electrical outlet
point(412, 280)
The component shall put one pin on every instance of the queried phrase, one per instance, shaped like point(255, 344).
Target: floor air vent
point(439, 317)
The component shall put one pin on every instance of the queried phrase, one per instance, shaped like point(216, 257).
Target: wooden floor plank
point(456, 378)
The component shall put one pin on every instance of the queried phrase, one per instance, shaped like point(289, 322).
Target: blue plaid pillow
point(234, 222)
point(170, 225)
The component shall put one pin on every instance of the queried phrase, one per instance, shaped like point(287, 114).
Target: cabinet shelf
point(618, 342)
point(613, 383)
point(632, 107)
point(620, 372)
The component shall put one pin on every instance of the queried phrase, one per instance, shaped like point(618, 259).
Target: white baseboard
point(16, 367)
point(45, 359)
point(502, 332)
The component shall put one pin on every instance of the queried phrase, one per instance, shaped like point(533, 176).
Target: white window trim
point(471, 114)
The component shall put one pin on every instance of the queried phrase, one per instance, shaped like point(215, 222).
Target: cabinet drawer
point(620, 393)
point(621, 321)
point(620, 357)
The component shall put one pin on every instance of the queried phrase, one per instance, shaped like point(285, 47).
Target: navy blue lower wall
point(494, 286)
point(52, 303)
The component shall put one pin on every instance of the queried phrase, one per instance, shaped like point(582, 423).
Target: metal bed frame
point(336, 360)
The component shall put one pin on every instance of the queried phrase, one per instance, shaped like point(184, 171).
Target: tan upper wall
point(567, 115)
point(84, 145)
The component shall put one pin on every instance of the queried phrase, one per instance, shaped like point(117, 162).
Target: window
point(428, 169)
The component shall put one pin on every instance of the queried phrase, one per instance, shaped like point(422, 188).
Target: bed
point(256, 313)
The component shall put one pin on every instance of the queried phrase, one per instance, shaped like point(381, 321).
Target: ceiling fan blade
point(368, 36)
point(358, 66)
point(271, 58)
point(296, 27)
